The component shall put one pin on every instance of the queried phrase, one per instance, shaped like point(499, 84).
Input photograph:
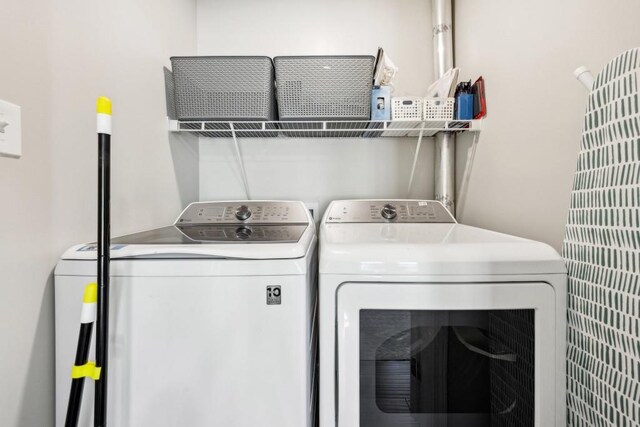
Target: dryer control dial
point(388, 211)
point(243, 212)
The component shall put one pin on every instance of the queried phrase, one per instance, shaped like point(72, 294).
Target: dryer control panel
point(244, 212)
point(395, 211)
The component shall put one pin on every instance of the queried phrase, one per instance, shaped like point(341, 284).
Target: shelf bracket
point(461, 195)
point(415, 160)
point(243, 172)
point(174, 125)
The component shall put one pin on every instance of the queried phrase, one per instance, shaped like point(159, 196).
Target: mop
point(95, 308)
point(104, 239)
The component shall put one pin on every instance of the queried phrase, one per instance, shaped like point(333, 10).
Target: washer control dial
point(243, 233)
point(243, 212)
point(388, 211)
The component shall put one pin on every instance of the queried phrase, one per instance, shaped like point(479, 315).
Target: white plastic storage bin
point(438, 108)
point(406, 108)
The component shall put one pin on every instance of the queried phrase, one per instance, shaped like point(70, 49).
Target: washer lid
point(430, 249)
point(247, 230)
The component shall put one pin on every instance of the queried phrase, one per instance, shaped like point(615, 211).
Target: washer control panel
point(244, 212)
point(243, 233)
point(395, 211)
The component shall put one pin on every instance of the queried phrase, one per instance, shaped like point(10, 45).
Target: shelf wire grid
point(323, 129)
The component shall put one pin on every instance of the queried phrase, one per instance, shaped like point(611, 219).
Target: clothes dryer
point(427, 322)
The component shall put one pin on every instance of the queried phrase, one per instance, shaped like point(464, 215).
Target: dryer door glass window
point(447, 368)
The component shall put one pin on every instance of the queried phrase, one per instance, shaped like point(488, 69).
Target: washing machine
point(211, 319)
point(427, 322)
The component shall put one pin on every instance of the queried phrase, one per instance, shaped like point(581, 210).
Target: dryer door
point(446, 354)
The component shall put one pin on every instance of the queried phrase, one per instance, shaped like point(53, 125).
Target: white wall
point(527, 52)
point(26, 255)
point(117, 49)
point(325, 169)
point(57, 57)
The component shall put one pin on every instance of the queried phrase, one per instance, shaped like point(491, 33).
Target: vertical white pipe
point(442, 36)
point(445, 149)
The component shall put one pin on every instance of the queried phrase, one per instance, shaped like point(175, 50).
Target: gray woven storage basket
point(324, 87)
point(170, 94)
point(224, 88)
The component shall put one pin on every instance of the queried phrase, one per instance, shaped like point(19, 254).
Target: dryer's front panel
point(445, 355)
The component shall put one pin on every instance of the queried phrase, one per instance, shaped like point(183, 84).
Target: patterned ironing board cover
point(602, 251)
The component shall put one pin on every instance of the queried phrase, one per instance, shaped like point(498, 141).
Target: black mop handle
point(104, 239)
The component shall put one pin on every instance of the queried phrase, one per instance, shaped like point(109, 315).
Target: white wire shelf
point(322, 129)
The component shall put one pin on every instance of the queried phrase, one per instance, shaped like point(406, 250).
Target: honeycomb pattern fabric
point(602, 250)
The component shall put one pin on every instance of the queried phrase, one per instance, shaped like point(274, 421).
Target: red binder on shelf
point(479, 100)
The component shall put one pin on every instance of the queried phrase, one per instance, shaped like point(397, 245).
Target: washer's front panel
point(196, 351)
point(433, 354)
